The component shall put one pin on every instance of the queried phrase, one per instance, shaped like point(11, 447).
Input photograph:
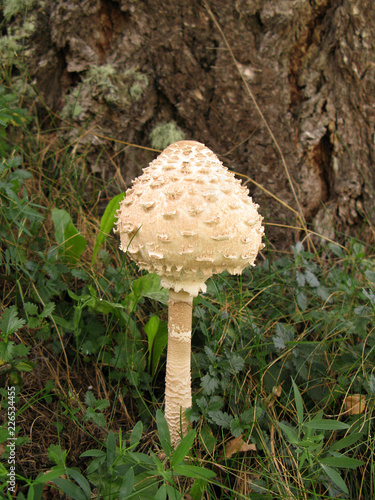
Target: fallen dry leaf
point(238, 445)
point(355, 404)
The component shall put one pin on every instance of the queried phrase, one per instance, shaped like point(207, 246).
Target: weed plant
point(283, 357)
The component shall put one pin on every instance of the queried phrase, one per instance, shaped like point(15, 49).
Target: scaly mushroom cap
point(187, 217)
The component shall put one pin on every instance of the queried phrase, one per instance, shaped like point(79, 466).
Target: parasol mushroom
point(186, 218)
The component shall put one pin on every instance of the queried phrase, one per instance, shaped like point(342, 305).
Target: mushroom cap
point(187, 217)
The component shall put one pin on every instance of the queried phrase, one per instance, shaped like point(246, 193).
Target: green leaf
point(290, 433)
point(75, 244)
point(71, 489)
point(24, 366)
point(209, 384)
point(236, 361)
point(30, 308)
point(301, 300)
point(336, 478)
point(136, 434)
point(326, 425)
point(48, 310)
point(299, 402)
point(346, 442)
point(57, 455)
point(193, 471)
point(163, 433)
point(209, 441)
point(72, 244)
point(197, 490)
point(111, 449)
point(236, 427)
point(107, 223)
point(183, 448)
point(127, 484)
point(161, 494)
point(10, 322)
point(148, 286)
point(90, 399)
point(284, 333)
point(50, 475)
point(221, 418)
point(157, 334)
point(81, 480)
point(173, 493)
point(341, 462)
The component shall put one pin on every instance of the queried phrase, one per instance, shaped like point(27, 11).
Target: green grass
point(283, 356)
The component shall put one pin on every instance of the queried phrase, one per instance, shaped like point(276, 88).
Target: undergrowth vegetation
point(283, 356)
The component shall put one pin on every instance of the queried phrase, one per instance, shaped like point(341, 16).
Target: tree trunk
point(120, 67)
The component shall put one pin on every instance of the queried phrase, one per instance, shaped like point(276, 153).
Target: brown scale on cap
point(187, 217)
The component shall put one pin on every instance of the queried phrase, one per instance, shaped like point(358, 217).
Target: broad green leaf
point(197, 490)
point(336, 478)
point(341, 462)
point(326, 425)
point(93, 453)
point(60, 219)
point(111, 449)
point(71, 242)
point(71, 489)
point(136, 434)
point(81, 480)
point(151, 329)
point(193, 471)
point(173, 494)
point(298, 402)
point(161, 494)
point(290, 433)
point(183, 448)
point(107, 223)
point(345, 442)
point(149, 286)
point(54, 473)
point(157, 335)
point(127, 484)
point(25, 366)
point(75, 244)
point(163, 433)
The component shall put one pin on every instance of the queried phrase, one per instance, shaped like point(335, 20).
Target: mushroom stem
point(178, 379)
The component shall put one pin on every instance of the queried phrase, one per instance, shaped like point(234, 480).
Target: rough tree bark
point(309, 63)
